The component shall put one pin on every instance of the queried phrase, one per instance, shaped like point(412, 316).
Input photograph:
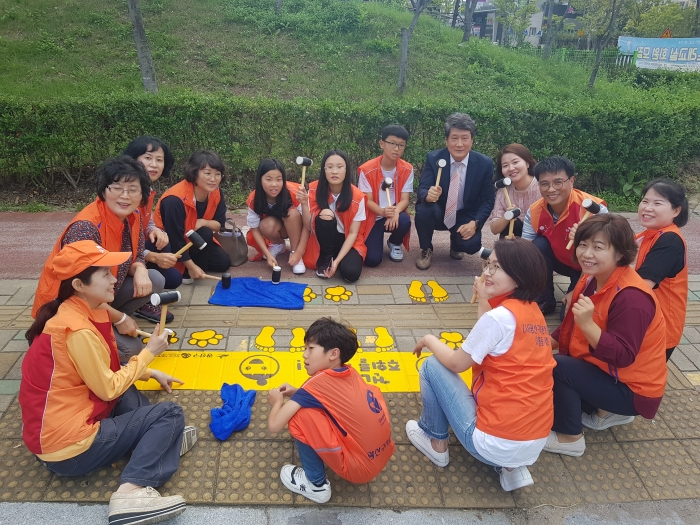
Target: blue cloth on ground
point(235, 414)
point(251, 291)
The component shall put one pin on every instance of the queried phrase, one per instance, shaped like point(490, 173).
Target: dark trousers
point(330, 240)
point(517, 229)
point(554, 265)
point(152, 433)
point(375, 239)
point(579, 387)
point(173, 277)
point(212, 258)
point(430, 217)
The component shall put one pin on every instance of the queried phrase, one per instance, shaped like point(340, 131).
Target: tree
point(604, 10)
point(455, 13)
point(651, 24)
point(514, 15)
point(148, 70)
point(469, 8)
point(418, 7)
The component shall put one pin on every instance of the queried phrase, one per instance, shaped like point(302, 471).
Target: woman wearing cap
point(113, 222)
point(80, 409)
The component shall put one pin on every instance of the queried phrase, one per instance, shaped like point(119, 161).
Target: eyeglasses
point(557, 184)
point(130, 192)
point(491, 267)
point(394, 145)
point(211, 176)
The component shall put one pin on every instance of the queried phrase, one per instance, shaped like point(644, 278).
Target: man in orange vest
point(548, 221)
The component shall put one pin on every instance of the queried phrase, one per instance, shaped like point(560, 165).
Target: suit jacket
point(479, 191)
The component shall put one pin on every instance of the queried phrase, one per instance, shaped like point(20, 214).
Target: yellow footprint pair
point(334, 293)
point(438, 293)
point(265, 341)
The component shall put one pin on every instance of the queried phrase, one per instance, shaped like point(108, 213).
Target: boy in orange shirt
point(335, 417)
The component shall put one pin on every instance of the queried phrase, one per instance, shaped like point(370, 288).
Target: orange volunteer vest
point(313, 250)
point(373, 171)
point(558, 234)
point(353, 434)
point(647, 375)
point(513, 391)
point(292, 187)
point(184, 191)
point(110, 228)
point(672, 292)
point(58, 409)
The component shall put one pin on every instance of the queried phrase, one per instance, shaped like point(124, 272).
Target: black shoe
point(547, 307)
point(152, 313)
point(322, 264)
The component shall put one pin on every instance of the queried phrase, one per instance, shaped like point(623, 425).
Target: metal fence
point(612, 60)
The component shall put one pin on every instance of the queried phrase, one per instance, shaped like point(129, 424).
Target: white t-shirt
point(360, 216)
point(493, 335)
point(253, 219)
point(364, 186)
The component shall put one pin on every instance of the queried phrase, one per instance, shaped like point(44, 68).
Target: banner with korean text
point(681, 54)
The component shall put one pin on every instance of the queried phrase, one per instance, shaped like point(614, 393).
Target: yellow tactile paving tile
point(22, 477)
point(208, 370)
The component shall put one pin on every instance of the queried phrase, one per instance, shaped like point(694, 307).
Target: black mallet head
point(304, 161)
point(590, 206)
point(169, 297)
point(196, 239)
point(511, 214)
point(484, 253)
point(226, 281)
point(387, 183)
point(502, 183)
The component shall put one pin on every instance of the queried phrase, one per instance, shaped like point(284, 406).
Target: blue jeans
point(447, 400)
point(311, 463)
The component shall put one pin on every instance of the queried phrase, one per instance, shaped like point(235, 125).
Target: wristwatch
point(478, 224)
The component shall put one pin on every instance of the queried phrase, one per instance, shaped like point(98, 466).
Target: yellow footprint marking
point(338, 293)
point(172, 338)
point(205, 338)
point(416, 292)
point(297, 343)
point(309, 295)
point(452, 339)
point(384, 341)
point(359, 341)
point(264, 340)
point(439, 293)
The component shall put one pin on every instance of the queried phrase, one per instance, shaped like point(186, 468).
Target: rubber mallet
point(146, 334)
point(592, 208)
point(502, 184)
point(304, 162)
point(225, 279)
point(511, 215)
point(195, 240)
point(163, 299)
point(484, 253)
point(441, 164)
point(386, 184)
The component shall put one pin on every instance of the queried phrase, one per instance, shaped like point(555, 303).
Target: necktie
point(453, 192)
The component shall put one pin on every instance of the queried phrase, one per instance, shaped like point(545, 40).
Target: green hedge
point(608, 141)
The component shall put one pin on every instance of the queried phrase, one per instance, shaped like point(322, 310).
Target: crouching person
point(335, 417)
point(80, 409)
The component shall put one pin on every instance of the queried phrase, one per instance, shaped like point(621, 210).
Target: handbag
point(232, 240)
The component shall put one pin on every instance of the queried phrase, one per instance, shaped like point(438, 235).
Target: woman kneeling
point(505, 418)
point(612, 344)
point(80, 409)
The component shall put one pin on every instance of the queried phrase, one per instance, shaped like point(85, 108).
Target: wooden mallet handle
point(163, 315)
point(183, 249)
point(503, 184)
point(441, 164)
point(505, 192)
point(484, 253)
point(511, 215)
point(142, 333)
point(592, 208)
point(473, 300)
point(207, 276)
point(304, 162)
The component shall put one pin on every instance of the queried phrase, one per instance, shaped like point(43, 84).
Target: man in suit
point(463, 200)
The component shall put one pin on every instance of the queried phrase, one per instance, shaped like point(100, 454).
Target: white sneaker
point(189, 438)
point(575, 449)
point(421, 441)
point(595, 422)
point(294, 478)
point(299, 268)
point(514, 479)
point(143, 506)
point(395, 252)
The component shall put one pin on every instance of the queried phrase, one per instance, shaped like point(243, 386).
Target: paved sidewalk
point(644, 461)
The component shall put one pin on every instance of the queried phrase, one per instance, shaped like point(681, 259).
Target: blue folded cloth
point(251, 291)
point(235, 414)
